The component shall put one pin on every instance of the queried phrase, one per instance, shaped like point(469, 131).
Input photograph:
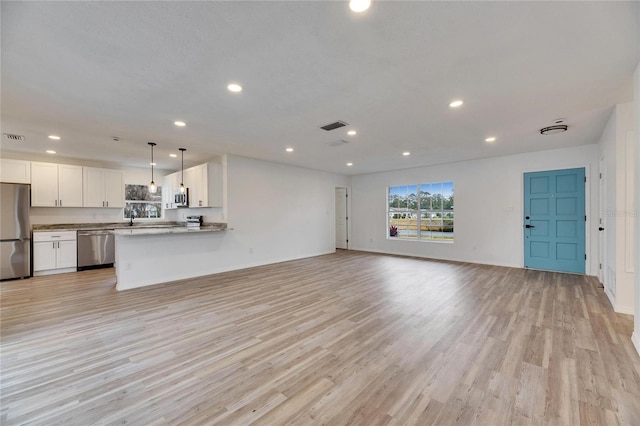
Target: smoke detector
point(13, 138)
point(552, 130)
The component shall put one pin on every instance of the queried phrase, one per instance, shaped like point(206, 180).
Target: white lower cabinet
point(54, 252)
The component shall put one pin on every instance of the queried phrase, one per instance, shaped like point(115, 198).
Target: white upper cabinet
point(114, 188)
point(15, 171)
point(103, 187)
point(56, 185)
point(170, 185)
point(205, 185)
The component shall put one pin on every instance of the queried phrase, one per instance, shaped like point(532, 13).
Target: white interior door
point(342, 241)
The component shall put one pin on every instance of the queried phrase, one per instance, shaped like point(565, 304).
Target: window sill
point(421, 240)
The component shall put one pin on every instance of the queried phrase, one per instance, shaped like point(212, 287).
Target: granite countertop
point(129, 231)
point(150, 227)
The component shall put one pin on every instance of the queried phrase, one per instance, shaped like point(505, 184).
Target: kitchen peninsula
point(154, 255)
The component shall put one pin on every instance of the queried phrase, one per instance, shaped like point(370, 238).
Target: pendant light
point(152, 185)
point(182, 188)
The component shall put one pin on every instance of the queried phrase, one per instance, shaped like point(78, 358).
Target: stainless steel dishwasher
point(96, 249)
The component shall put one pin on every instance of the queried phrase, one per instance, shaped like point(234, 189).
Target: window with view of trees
point(421, 212)
point(141, 203)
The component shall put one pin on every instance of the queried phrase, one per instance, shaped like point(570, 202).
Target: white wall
point(636, 113)
point(279, 212)
point(488, 206)
point(276, 213)
point(616, 145)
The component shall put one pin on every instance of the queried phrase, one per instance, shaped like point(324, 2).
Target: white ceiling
point(88, 71)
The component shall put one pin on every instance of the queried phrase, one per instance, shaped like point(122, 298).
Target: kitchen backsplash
point(49, 215)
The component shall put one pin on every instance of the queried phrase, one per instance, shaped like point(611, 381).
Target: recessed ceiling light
point(180, 123)
point(456, 103)
point(54, 137)
point(289, 149)
point(173, 155)
point(359, 5)
point(349, 164)
point(50, 151)
point(490, 139)
point(153, 164)
point(352, 133)
point(406, 153)
point(234, 87)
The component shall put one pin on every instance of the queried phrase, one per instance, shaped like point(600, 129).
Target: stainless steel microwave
point(182, 200)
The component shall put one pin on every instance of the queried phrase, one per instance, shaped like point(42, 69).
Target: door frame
point(587, 208)
point(348, 191)
point(602, 235)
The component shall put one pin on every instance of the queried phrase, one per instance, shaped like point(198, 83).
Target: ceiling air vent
point(13, 138)
point(333, 126)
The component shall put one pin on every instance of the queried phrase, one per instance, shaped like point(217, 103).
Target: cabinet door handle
point(107, 203)
point(56, 203)
point(60, 203)
point(54, 245)
point(58, 244)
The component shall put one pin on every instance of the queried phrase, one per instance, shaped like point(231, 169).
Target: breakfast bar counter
point(154, 255)
point(167, 230)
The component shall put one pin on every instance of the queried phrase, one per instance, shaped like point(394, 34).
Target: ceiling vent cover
point(13, 138)
point(333, 126)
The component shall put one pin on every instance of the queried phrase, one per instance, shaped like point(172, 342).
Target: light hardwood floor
point(350, 338)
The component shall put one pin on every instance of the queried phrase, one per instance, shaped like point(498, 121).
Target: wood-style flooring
point(347, 338)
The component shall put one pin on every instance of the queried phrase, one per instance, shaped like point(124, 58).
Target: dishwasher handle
point(96, 232)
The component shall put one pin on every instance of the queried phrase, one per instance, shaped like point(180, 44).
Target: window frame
point(127, 202)
point(445, 215)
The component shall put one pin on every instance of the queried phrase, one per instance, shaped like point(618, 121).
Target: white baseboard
point(627, 310)
point(612, 299)
point(635, 339)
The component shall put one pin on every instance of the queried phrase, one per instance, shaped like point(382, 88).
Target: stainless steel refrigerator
point(15, 244)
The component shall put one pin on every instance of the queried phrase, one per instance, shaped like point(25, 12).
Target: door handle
point(601, 229)
point(529, 226)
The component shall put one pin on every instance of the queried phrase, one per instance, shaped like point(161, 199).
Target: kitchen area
point(62, 218)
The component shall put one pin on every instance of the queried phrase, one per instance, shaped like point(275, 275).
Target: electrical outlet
point(128, 267)
point(251, 250)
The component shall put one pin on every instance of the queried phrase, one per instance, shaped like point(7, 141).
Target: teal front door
point(554, 220)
